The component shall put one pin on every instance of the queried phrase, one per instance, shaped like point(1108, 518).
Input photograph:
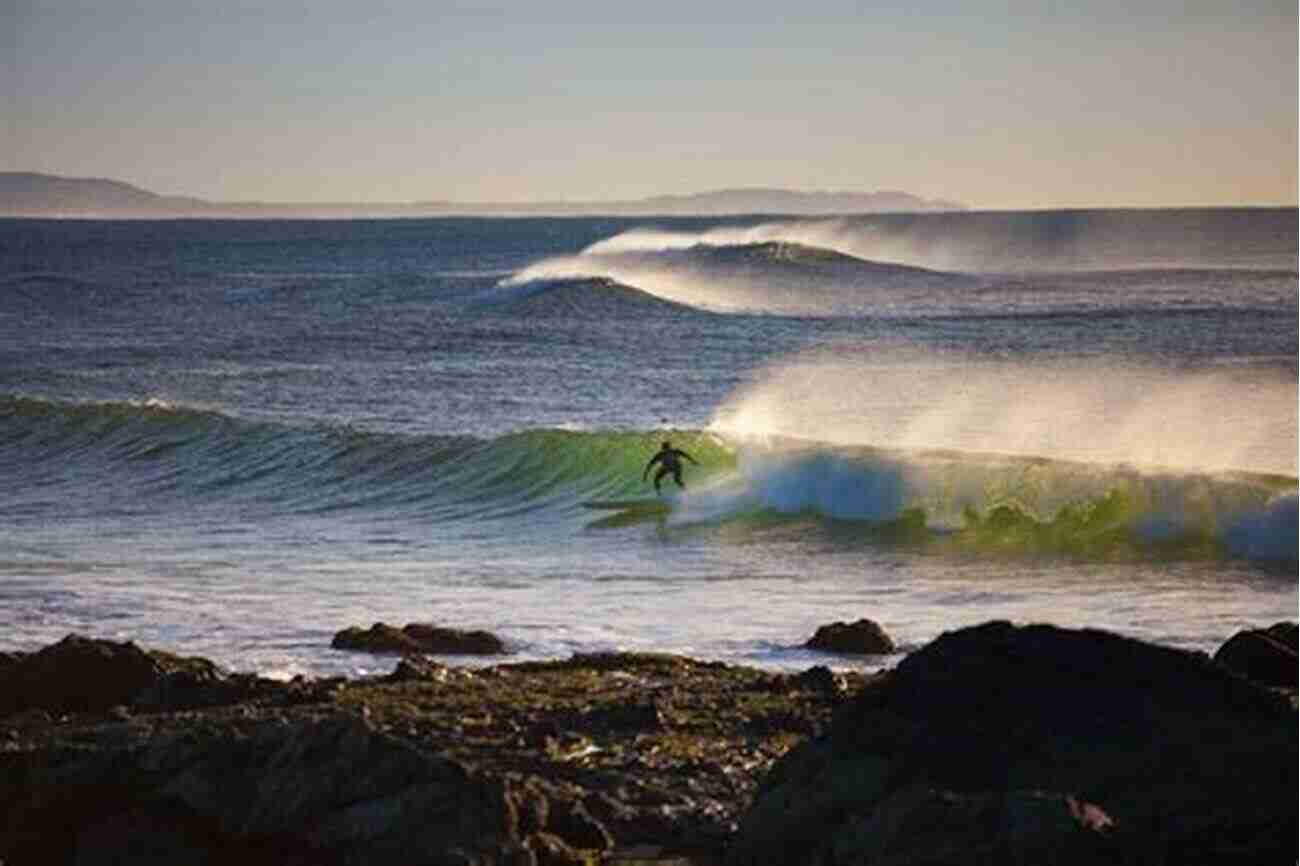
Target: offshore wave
point(165, 456)
point(901, 267)
point(561, 294)
point(731, 271)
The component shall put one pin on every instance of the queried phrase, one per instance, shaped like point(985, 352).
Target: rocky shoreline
point(992, 744)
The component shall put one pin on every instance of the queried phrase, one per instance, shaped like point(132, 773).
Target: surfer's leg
point(659, 476)
point(677, 476)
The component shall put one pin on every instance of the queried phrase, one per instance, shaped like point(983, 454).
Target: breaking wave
point(738, 271)
point(934, 264)
point(172, 456)
point(578, 293)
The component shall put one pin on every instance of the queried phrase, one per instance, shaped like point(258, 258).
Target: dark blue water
point(235, 438)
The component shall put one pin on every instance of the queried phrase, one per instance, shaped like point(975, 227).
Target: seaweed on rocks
point(552, 762)
point(991, 744)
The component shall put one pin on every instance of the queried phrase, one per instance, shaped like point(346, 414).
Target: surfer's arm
point(653, 460)
point(688, 457)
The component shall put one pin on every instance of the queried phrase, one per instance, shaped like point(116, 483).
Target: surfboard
point(628, 512)
point(640, 506)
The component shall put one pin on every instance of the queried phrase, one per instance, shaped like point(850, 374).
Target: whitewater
point(235, 438)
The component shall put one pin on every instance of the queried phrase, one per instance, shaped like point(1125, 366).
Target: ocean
point(236, 438)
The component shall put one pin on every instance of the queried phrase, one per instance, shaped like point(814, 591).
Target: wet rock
point(415, 668)
point(198, 686)
point(1285, 633)
point(83, 675)
point(553, 757)
point(550, 850)
point(417, 638)
point(568, 746)
point(818, 678)
point(634, 715)
point(645, 855)
point(334, 791)
point(533, 806)
point(1262, 655)
point(301, 691)
point(576, 826)
point(636, 663)
point(977, 747)
point(159, 836)
point(780, 720)
point(605, 807)
point(927, 825)
point(863, 637)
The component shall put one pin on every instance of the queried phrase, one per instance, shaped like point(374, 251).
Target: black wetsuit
point(668, 457)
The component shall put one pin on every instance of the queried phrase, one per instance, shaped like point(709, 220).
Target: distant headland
point(28, 194)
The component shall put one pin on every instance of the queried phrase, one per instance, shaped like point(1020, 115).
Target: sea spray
point(1108, 412)
point(749, 270)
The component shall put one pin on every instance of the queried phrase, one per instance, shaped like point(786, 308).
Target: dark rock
point(379, 638)
point(163, 834)
point(634, 715)
point(863, 637)
point(657, 750)
point(1258, 655)
point(920, 824)
point(415, 668)
point(576, 826)
point(334, 792)
point(450, 641)
point(417, 638)
point(1003, 744)
point(1285, 633)
point(626, 662)
point(550, 850)
point(201, 684)
point(818, 678)
point(624, 821)
point(533, 806)
point(608, 809)
point(775, 684)
point(770, 723)
point(80, 674)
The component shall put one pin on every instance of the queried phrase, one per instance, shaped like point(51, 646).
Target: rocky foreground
point(994, 744)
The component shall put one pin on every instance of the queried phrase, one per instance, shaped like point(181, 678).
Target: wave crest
point(999, 505)
point(161, 456)
point(764, 269)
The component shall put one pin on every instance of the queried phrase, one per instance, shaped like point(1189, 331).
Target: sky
point(1103, 103)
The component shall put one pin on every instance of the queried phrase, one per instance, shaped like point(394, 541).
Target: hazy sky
point(1000, 105)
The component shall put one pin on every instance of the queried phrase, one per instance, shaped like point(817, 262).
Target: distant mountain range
point(27, 194)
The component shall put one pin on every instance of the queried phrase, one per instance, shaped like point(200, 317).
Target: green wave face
point(155, 448)
point(971, 504)
point(569, 464)
point(1116, 525)
point(990, 505)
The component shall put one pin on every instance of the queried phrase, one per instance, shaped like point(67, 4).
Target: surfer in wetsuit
point(668, 458)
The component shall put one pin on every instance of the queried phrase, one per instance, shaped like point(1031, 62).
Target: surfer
point(668, 457)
